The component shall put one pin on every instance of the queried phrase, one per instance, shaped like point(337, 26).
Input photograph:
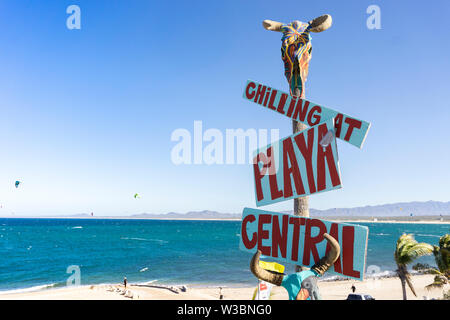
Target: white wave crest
point(30, 289)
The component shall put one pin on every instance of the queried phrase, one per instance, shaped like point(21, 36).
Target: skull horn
point(272, 25)
point(263, 274)
point(326, 262)
point(321, 23)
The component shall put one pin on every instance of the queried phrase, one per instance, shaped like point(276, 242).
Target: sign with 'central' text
point(296, 166)
point(349, 129)
point(300, 240)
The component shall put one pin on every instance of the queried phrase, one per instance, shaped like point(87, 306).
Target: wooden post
point(301, 205)
point(298, 71)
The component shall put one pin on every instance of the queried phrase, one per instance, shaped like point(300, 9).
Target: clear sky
point(87, 115)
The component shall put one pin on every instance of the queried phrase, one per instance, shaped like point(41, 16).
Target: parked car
point(359, 296)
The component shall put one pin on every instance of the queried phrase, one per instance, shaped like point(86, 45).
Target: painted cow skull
point(296, 48)
point(300, 285)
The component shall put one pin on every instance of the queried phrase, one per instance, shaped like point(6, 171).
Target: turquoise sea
point(36, 253)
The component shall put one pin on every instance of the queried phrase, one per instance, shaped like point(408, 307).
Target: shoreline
point(58, 286)
point(343, 220)
point(383, 288)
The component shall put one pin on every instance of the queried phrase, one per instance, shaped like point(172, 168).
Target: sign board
point(263, 290)
point(349, 129)
point(300, 240)
point(296, 166)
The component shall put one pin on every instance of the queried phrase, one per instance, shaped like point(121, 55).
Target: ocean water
point(36, 253)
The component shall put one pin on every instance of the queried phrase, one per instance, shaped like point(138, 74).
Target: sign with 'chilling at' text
point(349, 129)
point(300, 240)
point(296, 166)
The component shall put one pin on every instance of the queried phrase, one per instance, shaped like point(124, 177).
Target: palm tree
point(407, 251)
point(442, 257)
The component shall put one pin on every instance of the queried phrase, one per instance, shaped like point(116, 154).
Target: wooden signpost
point(297, 165)
point(299, 240)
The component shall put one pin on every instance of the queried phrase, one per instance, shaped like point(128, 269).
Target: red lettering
point(289, 154)
point(321, 155)
point(267, 97)
point(291, 107)
point(248, 94)
point(248, 243)
point(352, 123)
point(279, 239)
point(316, 117)
point(259, 174)
point(348, 240)
point(260, 93)
point(310, 242)
point(282, 102)
point(306, 151)
point(338, 124)
point(335, 234)
point(272, 98)
point(274, 191)
point(300, 112)
point(263, 234)
point(297, 222)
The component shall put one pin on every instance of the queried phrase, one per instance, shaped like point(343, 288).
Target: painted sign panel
point(263, 290)
point(299, 240)
point(348, 128)
point(296, 166)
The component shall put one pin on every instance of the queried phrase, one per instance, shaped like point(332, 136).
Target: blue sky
point(87, 115)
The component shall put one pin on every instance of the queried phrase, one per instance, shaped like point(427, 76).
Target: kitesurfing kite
point(136, 196)
point(17, 184)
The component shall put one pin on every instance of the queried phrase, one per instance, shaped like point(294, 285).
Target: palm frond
point(420, 249)
point(410, 285)
point(439, 282)
point(434, 271)
point(409, 249)
point(434, 285)
point(442, 254)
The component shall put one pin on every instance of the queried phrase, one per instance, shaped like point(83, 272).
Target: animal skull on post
point(296, 48)
point(300, 285)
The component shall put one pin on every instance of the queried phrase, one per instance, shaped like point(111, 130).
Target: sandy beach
point(380, 289)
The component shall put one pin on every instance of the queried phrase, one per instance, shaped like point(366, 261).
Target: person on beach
point(125, 282)
point(220, 293)
point(353, 288)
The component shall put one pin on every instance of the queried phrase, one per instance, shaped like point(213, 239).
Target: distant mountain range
point(400, 209)
point(205, 214)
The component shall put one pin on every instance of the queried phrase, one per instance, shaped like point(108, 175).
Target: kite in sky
point(17, 184)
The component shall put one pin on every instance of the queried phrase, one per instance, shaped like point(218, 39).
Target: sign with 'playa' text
point(297, 165)
point(348, 128)
point(300, 240)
